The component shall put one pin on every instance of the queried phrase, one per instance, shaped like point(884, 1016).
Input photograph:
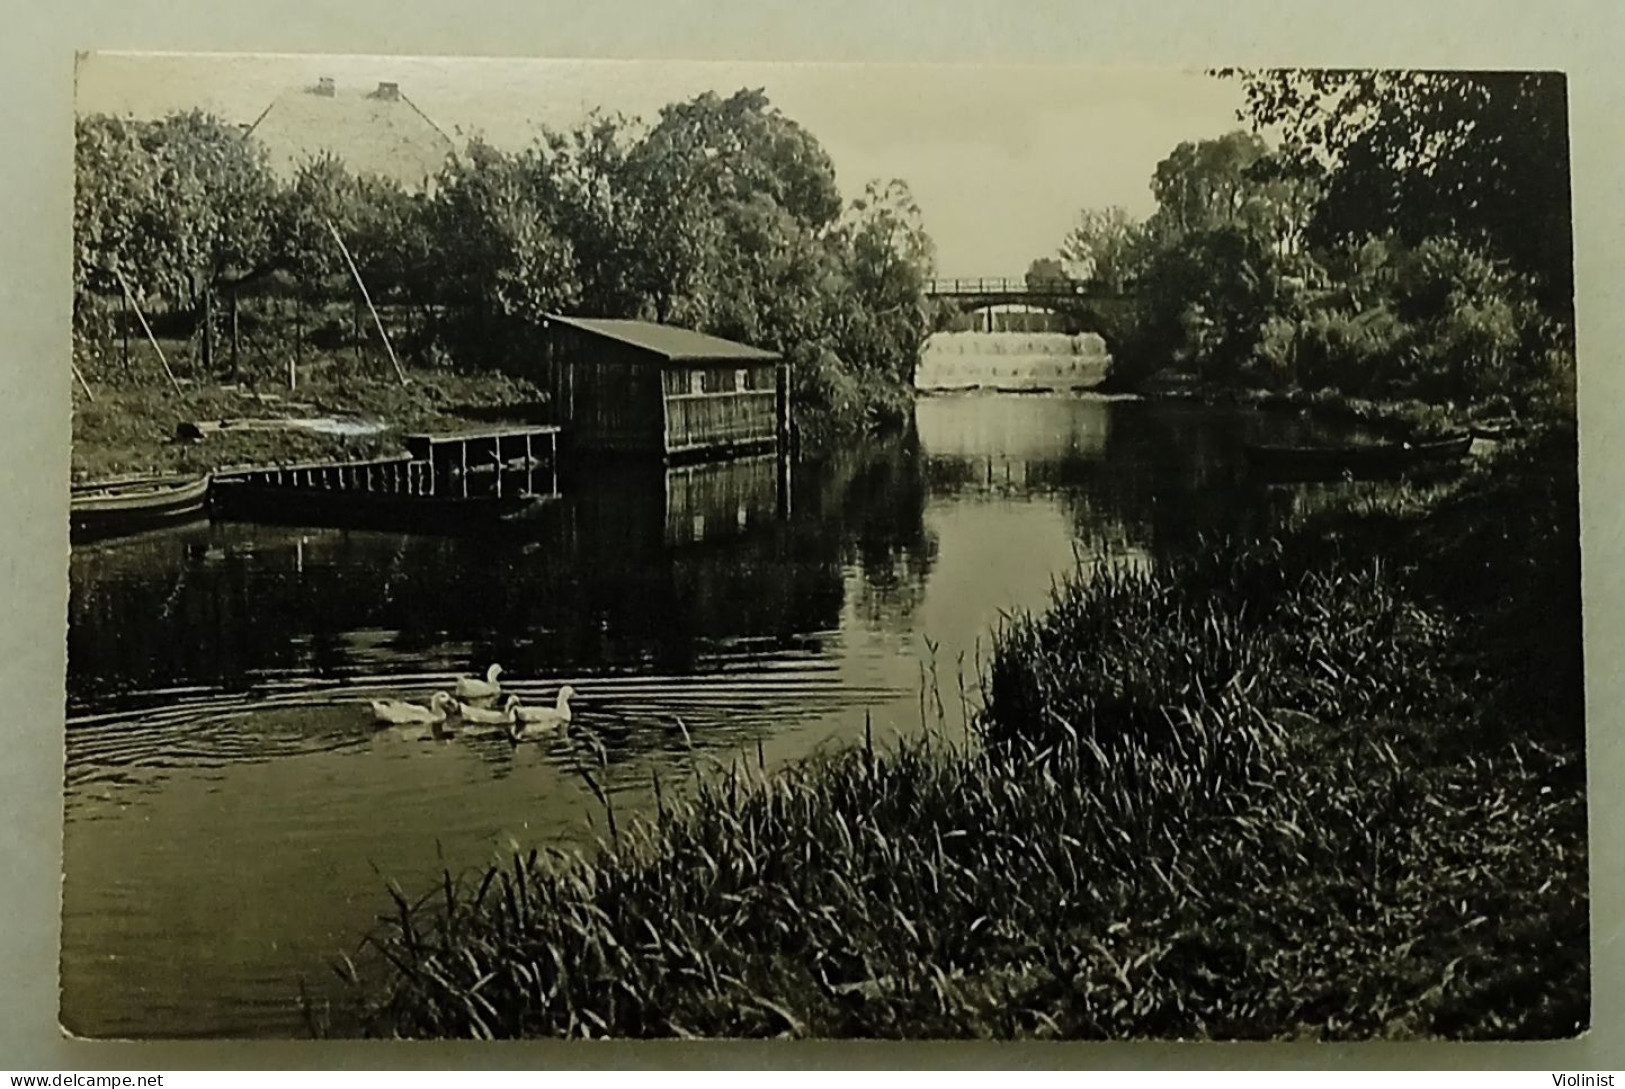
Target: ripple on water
point(741, 691)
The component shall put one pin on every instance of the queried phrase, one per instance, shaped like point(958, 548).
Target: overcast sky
point(1000, 159)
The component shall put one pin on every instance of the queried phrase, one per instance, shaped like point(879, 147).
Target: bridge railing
point(1003, 285)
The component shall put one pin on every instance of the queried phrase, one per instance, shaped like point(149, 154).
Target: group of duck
point(482, 708)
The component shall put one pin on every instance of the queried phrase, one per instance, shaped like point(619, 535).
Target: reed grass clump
point(1249, 793)
point(1122, 651)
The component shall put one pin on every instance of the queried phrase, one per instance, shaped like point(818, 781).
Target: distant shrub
point(832, 398)
point(1349, 352)
point(1470, 320)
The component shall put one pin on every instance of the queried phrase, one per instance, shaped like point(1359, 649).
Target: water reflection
point(230, 806)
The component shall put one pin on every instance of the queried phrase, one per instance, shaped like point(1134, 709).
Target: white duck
point(468, 688)
point(401, 713)
point(530, 723)
point(487, 716)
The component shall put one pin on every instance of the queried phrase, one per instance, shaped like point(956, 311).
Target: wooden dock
point(402, 492)
point(402, 475)
point(485, 448)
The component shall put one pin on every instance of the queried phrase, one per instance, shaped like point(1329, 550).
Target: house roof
point(373, 131)
point(668, 341)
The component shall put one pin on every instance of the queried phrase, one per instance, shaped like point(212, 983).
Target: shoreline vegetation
point(1292, 788)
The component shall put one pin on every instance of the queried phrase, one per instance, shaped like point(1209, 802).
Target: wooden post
point(82, 383)
point(130, 297)
point(783, 406)
point(208, 330)
point(399, 370)
point(124, 330)
point(234, 334)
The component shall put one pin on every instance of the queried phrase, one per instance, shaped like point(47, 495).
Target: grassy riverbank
point(1329, 785)
point(132, 429)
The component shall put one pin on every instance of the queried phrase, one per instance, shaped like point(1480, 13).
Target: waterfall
point(1024, 361)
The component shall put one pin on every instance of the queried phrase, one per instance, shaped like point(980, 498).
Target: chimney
point(389, 92)
point(324, 87)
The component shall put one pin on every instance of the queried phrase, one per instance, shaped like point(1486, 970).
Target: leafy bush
point(1469, 319)
point(832, 399)
point(1350, 353)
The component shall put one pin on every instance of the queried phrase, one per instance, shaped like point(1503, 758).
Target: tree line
point(722, 215)
point(1408, 234)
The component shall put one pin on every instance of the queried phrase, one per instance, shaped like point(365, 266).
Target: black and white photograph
point(654, 549)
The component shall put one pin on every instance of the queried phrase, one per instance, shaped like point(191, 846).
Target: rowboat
point(1360, 460)
point(1498, 430)
point(111, 507)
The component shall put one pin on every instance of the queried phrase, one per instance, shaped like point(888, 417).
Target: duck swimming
point(530, 723)
point(401, 713)
point(468, 688)
point(489, 716)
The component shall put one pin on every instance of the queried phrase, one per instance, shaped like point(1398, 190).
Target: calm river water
point(232, 814)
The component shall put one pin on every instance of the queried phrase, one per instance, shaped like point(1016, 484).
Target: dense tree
point(1108, 247)
point(733, 149)
point(321, 193)
point(114, 183)
point(499, 254)
point(1206, 184)
point(889, 258)
point(1480, 155)
point(582, 176)
point(702, 178)
point(1206, 299)
point(180, 206)
point(1234, 180)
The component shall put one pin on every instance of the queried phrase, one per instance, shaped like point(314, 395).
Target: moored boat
point(109, 508)
point(1499, 429)
point(1356, 459)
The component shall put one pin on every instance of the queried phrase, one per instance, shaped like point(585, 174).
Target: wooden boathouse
point(637, 387)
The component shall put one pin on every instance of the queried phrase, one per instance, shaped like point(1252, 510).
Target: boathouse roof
point(670, 343)
point(372, 130)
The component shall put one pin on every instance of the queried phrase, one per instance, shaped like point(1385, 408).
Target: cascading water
point(1012, 361)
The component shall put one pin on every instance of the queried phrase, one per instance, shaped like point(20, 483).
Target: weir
point(1014, 362)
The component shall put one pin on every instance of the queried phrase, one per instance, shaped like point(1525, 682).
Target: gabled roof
point(374, 132)
point(667, 341)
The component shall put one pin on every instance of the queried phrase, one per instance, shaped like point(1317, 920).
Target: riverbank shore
point(129, 430)
point(1272, 790)
point(1401, 419)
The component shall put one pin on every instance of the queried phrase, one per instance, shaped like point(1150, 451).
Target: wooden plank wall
point(733, 406)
